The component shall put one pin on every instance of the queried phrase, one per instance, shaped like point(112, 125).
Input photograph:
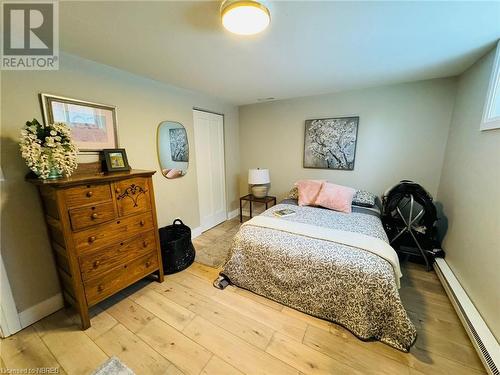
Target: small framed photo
point(115, 159)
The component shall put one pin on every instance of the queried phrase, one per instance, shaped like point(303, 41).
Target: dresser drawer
point(87, 194)
point(132, 195)
point(87, 216)
point(120, 277)
point(100, 261)
point(113, 232)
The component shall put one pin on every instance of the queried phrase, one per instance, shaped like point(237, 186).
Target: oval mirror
point(173, 149)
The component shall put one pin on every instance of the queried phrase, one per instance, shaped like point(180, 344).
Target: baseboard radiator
point(483, 340)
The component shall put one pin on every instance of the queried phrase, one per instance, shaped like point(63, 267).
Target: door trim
point(10, 322)
point(203, 228)
point(209, 111)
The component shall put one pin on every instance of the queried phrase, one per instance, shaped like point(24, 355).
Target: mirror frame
point(158, 146)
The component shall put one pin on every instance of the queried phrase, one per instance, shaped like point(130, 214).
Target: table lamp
point(259, 180)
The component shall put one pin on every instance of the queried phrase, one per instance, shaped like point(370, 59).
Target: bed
point(335, 281)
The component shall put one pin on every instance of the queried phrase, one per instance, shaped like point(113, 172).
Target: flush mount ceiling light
point(244, 17)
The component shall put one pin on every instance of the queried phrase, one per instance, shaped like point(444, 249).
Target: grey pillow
point(364, 198)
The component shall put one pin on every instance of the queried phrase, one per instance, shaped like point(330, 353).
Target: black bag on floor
point(177, 250)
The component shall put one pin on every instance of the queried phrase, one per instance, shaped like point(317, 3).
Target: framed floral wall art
point(179, 145)
point(93, 125)
point(330, 143)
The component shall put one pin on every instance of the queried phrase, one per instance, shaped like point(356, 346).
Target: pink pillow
point(308, 191)
point(335, 197)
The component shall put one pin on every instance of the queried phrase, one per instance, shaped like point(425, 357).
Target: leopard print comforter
point(346, 285)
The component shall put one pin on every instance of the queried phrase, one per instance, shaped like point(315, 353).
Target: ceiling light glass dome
point(244, 17)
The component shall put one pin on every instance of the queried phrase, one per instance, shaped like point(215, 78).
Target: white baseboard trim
point(195, 232)
point(41, 310)
point(480, 335)
point(233, 214)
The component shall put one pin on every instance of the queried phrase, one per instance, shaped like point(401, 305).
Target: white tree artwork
point(331, 143)
point(179, 145)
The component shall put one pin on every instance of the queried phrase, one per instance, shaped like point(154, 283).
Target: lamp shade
point(258, 176)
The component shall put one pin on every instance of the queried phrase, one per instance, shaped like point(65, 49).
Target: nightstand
point(250, 198)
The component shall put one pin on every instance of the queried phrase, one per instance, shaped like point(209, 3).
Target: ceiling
point(310, 47)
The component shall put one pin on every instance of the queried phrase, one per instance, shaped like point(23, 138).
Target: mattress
point(343, 284)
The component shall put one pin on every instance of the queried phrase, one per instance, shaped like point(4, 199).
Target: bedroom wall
point(469, 191)
point(401, 135)
point(142, 105)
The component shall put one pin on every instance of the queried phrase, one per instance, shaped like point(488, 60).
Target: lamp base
point(260, 191)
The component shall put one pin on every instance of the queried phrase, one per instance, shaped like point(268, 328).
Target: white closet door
point(209, 146)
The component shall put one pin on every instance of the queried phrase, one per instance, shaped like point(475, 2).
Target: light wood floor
point(185, 326)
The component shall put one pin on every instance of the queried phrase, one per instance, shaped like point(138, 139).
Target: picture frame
point(115, 160)
point(179, 148)
point(330, 143)
point(93, 125)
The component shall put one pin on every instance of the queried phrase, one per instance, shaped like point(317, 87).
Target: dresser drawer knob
point(96, 263)
point(100, 288)
point(142, 222)
point(144, 243)
point(118, 190)
point(89, 194)
point(148, 263)
point(92, 239)
point(94, 216)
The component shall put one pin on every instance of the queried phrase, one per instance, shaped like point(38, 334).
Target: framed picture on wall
point(330, 143)
point(93, 125)
point(179, 145)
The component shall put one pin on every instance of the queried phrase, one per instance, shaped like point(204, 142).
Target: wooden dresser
point(103, 232)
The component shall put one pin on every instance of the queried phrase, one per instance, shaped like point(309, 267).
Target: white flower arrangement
point(48, 149)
